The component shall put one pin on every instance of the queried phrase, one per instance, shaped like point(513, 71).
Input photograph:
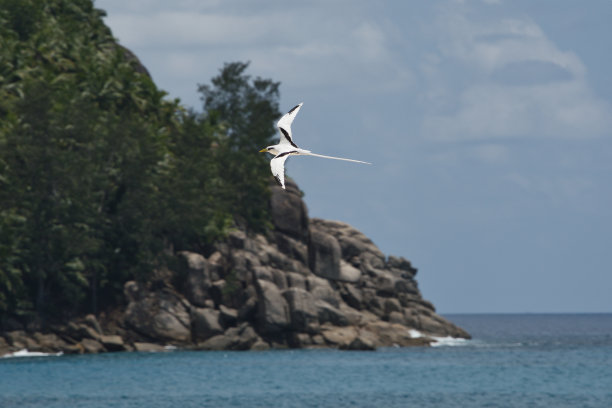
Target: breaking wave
point(26, 353)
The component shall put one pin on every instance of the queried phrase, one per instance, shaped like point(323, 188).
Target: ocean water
point(513, 361)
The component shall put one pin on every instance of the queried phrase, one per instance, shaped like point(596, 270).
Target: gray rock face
point(302, 310)
point(236, 338)
point(363, 343)
point(160, 315)
point(288, 211)
point(92, 346)
point(148, 347)
point(273, 311)
point(354, 243)
point(206, 323)
point(402, 265)
point(228, 316)
point(112, 342)
point(324, 254)
point(329, 314)
point(4, 347)
point(352, 296)
point(348, 273)
point(198, 280)
point(322, 289)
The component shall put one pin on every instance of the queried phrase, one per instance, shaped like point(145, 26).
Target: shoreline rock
point(310, 283)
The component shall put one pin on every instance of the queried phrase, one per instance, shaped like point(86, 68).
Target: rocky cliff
point(308, 283)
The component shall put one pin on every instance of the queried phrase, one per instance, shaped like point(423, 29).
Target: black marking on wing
point(278, 180)
point(285, 154)
point(286, 134)
point(294, 108)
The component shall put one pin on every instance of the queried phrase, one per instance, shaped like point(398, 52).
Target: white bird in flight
point(286, 147)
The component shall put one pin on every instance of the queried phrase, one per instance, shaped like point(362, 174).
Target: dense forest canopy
point(101, 176)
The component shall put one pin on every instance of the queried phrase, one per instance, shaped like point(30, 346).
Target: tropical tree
point(82, 138)
point(102, 177)
point(247, 108)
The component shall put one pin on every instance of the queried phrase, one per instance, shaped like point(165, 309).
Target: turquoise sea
point(528, 360)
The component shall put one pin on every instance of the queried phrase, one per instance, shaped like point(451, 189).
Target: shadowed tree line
point(101, 178)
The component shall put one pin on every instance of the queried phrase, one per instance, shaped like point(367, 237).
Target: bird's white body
point(286, 147)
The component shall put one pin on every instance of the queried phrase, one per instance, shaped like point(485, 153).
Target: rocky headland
point(308, 283)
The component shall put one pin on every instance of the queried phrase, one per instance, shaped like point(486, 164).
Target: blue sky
point(488, 124)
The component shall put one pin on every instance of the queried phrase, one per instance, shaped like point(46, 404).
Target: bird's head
point(269, 149)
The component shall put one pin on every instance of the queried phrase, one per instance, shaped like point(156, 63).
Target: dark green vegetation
point(101, 178)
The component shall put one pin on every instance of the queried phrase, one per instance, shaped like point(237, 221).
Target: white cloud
point(491, 111)
point(558, 189)
point(311, 47)
point(485, 153)
point(491, 45)
point(187, 29)
point(370, 41)
point(141, 7)
point(520, 84)
point(481, 79)
point(491, 153)
point(182, 64)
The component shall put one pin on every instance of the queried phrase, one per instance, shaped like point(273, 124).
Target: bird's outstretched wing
point(277, 164)
point(284, 125)
point(333, 157)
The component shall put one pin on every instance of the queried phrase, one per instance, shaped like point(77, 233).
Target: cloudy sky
point(489, 123)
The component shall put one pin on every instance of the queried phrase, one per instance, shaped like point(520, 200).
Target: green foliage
point(82, 134)
point(100, 176)
point(21, 16)
point(232, 286)
point(247, 108)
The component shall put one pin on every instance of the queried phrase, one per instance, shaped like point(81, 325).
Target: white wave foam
point(449, 341)
point(26, 353)
point(415, 334)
